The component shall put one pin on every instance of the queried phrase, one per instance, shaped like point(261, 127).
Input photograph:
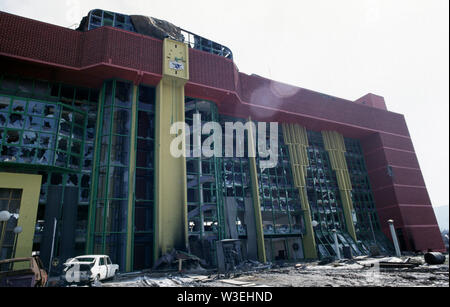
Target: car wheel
point(96, 279)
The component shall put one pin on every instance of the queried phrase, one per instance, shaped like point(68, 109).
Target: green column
point(94, 185)
point(132, 176)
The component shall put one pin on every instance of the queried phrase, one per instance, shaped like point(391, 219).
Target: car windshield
point(85, 259)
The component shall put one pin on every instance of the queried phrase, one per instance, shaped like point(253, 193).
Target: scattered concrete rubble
point(179, 259)
point(357, 272)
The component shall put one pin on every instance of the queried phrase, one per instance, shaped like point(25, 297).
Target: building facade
point(85, 162)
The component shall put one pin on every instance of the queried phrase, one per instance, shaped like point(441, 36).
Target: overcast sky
point(398, 49)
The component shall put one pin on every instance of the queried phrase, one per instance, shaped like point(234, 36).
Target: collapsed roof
point(153, 27)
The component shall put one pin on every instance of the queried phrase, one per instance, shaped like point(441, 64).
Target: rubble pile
point(357, 272)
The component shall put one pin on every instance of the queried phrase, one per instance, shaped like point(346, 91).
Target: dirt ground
point(360, 272)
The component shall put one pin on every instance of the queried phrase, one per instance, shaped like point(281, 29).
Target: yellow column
point(334, 144)
point(297, 140)
point(171, 222)
point(31, 187)
point(256, 201)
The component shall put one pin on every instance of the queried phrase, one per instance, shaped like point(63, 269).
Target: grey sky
point(398, 49)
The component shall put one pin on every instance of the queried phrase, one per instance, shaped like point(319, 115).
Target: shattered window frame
point(98, 18)
point(236, 180)
point(278, 194)
point(110, 228)
point(144, 207)
point(204, 197)
point(43, 105)
point(324, 196)
point(367, 226)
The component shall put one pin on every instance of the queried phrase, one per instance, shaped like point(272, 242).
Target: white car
point(90, 268)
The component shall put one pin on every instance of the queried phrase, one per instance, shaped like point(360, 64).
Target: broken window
point(82, 94)
point(9, 153)
point(9, 83)
point(49, 125)
point(144, 184)
point(76, 147)
point(118, 183)
point(61, 159)
point(120, 148)
point(121, 124)
point(41, 88)
point(74, 162)
point(30, 138)
point(147, 98)
point(44, 157)
point(267, 222)
point(123, 94)
point(367, 224)
point(88, 156)
point(144, 216)
point(19, 106)
point(64, 128)
point(117, 216)
point(56, 179)
point(240, 223)
point(16, 121)
point(26, 87)
point(203, 201)
point(99, 18)
point(12, 137)
point(90, 133)
point(3, 119)
point(67, 94)
point(26, 155)
point(50, 111)
point(146, 125)
point(62, 143)
point(72, 180)
point(280, 200)
point(145, 154)
point(34, 123)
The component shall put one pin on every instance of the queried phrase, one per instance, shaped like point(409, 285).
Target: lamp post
point(4, 218)
point(17, 231)
point(394, 238)
point(336, 244)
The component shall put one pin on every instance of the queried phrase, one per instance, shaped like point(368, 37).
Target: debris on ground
point(180, 260)
point(251, 265)
point(326, 261)
point(361, 271)
point(434, 258)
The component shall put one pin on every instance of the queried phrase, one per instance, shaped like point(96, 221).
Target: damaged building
point(85, 163)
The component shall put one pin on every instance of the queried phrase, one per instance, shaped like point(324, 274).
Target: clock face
point(176, 59)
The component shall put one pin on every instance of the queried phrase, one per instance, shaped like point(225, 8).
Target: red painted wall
point(88, 58)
